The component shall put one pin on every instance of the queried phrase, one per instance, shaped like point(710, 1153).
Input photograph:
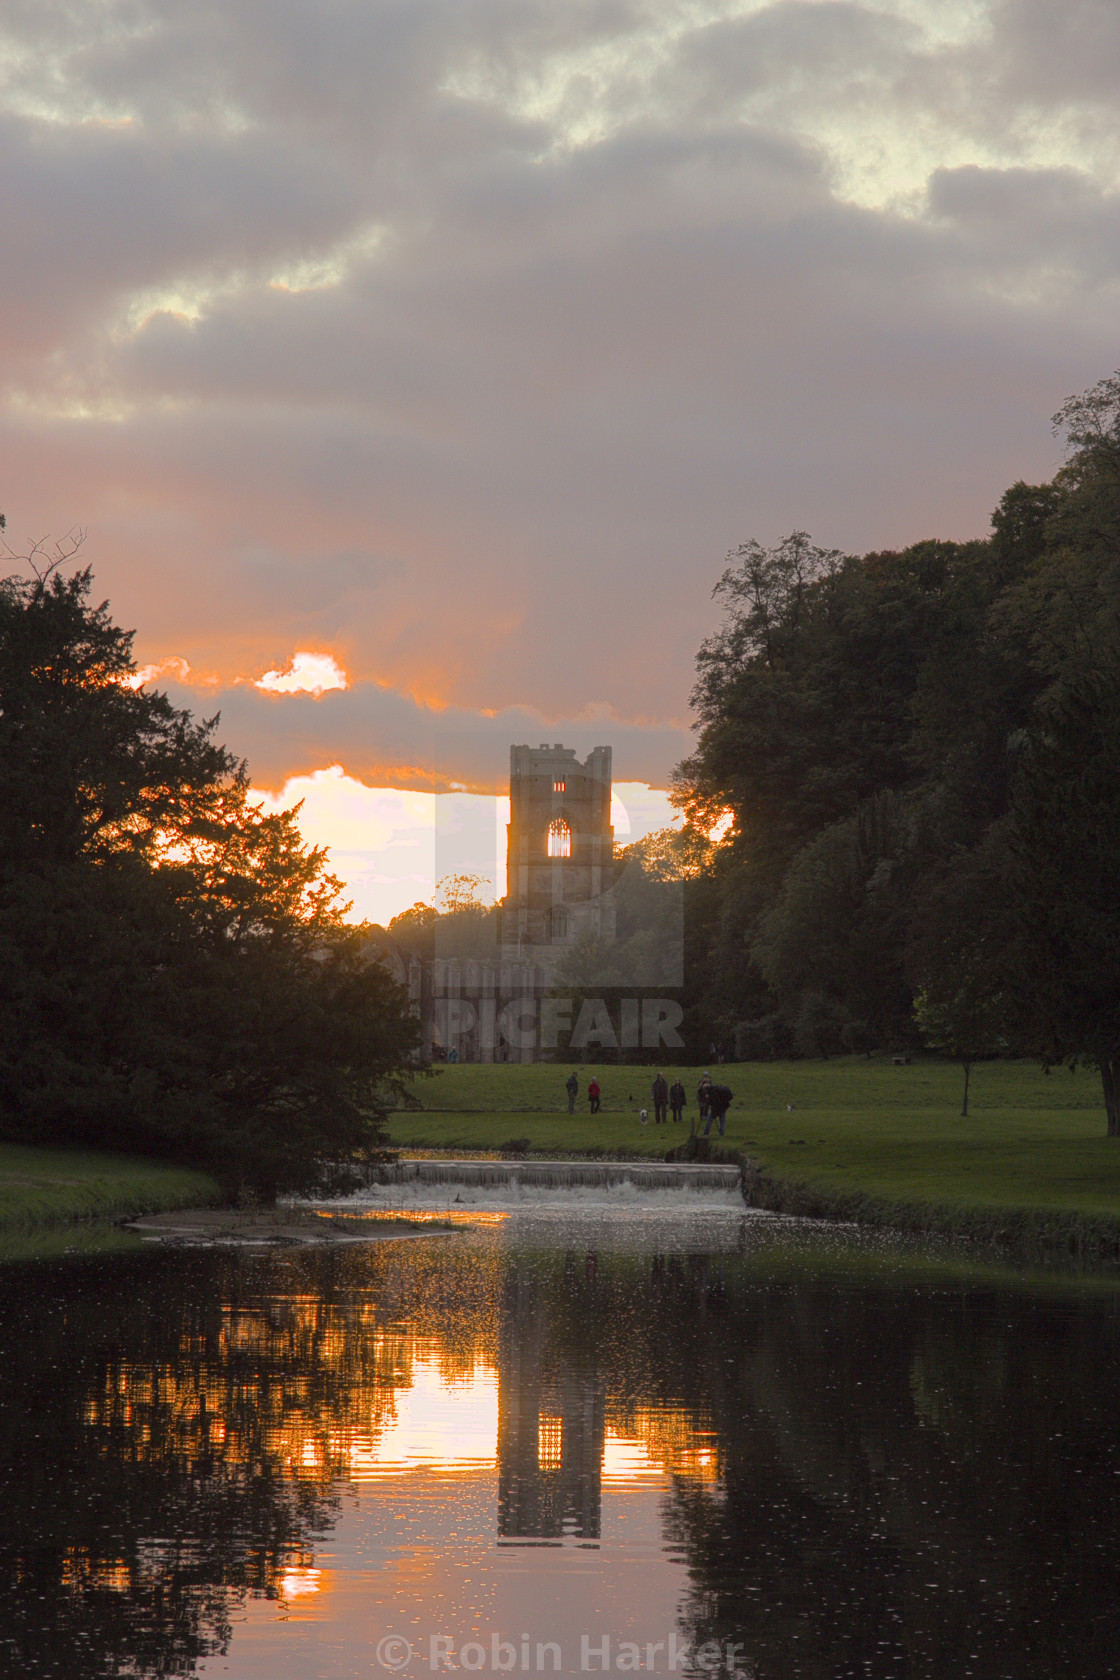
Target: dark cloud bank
point(463, 339)
point(386, 740)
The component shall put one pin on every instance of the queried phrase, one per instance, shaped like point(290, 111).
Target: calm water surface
point(679, 1444)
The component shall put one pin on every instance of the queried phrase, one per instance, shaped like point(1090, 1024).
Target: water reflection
point(841, 1463)
point(551, 1417)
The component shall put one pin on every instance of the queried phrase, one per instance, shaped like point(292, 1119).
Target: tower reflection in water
point(551, 1428)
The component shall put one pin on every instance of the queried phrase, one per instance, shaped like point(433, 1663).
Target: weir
point(564, 1175)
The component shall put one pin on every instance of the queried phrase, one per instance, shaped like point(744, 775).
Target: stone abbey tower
point(560, 848)
point(560, 853)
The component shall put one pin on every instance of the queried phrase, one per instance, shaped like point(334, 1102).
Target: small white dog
point(643, 1116)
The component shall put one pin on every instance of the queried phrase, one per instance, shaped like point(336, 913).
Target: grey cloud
point(322, 591)
point(1031, 219)
point(378, 736)
point(1053, 52)
point(791, 61)
point(363, 74)
point(90, 217)
point(499, 462)
point(1000, 196)
point(786, 46)
point(1041, 67)
point(579, 278)
point(577, 457)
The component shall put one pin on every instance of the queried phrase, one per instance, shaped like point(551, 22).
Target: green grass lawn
point(1030, 1141)
point(47, 1187)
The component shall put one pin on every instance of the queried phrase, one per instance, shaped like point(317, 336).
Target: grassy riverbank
point(42, 1188)
point(863, 1139)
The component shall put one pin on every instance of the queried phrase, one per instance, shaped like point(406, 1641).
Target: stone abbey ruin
point(560, 855)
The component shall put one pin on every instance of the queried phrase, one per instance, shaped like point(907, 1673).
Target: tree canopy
point(178, 975)
point(919, 749)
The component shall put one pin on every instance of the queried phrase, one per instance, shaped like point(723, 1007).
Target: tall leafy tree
point(177, 971)
point(1065, 845)
point(835, 683)
point(962, 951)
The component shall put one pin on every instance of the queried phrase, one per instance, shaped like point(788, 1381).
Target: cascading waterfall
point(566, 1175)
point(637, 1187)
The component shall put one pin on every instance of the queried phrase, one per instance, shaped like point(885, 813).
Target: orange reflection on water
point(439, 1421)
point(296, 1583)
point(627, 1460)
point(652, 1441)
point(81, 1571)
point(426, 1216)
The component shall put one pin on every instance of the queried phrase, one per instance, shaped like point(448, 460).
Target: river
point(560, 1439)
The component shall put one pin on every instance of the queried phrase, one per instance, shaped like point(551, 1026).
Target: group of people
point(713, 1100)
point(594, 1094)
point(665, 1097)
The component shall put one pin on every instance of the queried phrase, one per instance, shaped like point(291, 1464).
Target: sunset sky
point(412, 365)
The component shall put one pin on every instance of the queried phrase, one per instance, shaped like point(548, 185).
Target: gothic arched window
point(559, 839)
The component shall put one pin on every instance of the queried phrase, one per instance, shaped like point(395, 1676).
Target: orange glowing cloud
point(308, 673)
point(173, 667)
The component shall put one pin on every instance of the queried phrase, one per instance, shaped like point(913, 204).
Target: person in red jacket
point(593, 1093)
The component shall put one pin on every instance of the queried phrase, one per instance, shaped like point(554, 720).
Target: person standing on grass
point(571, 1085)
point(719, 1101)
point(677, 1100)
point(660, 1094)
point(593, 1093)
point(703, 1095)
